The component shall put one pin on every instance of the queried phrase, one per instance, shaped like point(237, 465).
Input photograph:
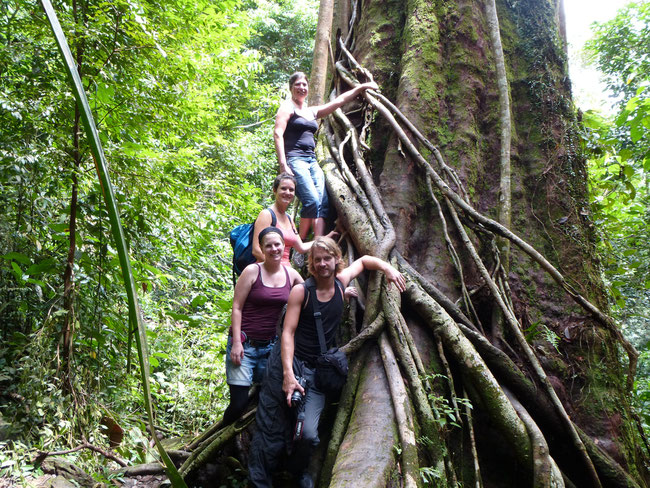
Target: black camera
point(296, 396)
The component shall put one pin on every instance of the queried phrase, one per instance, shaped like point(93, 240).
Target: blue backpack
point(241, 240)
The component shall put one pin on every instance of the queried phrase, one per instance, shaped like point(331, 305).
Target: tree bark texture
point(547, 392)
point(321, 53)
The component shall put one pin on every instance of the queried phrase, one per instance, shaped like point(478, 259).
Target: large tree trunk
point(480, 374)
point(321, 53)
point(548, 390)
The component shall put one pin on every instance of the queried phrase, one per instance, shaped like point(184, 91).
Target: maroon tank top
point(262, 308)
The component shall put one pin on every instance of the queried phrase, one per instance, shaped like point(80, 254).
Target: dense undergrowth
point(184, 100)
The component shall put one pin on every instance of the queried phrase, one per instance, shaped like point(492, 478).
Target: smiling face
point(323, 264)
point(299, 89)
point(272, 246)
point(285, 192)
point(324, 258)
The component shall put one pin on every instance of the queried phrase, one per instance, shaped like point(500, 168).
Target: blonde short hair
point(328, 245)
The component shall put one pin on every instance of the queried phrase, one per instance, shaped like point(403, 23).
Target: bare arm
point(328, 108)
point(289, 383)
point(242, 289)
point(302, 247)
point(262, 222)
point(372, 263)
point(299, 245)
point(281, 120)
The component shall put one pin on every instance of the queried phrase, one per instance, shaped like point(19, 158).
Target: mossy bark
point(434, 60)
point(368, 451)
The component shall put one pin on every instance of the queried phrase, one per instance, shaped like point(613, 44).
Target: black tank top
point(307, 347)
point(299, 137)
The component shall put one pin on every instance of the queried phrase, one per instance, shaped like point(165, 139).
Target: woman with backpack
point(261, 292)
point(284, 189)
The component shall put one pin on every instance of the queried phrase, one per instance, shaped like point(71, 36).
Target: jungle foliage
point(182, 97)
point(619, 174)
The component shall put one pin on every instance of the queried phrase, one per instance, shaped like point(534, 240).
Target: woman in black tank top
point(295, 126)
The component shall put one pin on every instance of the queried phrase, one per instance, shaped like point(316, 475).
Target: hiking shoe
point(305, 480)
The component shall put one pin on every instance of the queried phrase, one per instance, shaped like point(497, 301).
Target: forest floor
point(57, 481)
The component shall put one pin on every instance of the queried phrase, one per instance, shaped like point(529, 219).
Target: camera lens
point(296, 396)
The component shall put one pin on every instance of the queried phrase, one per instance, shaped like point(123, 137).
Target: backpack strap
point(274, 219)
point(310, 286)
point(312, 282)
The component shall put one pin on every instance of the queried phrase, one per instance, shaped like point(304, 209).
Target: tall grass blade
point(135, 315)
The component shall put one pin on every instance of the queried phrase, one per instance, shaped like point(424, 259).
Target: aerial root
point(542, 461)
point(361, 209)
point(403, 414)
point(469, 419)
point(459, 200)
point(344, 411)
point(370, 332)
point(455, 259)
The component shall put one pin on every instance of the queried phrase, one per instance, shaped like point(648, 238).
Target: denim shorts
point(310, 186)
point(252, 367)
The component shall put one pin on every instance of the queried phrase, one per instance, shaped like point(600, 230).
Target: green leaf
point(16, 256)
point(631, 190)
point(59, 227)
point(225, 305)
point(36, 282)
point(42, 266)
point(622, 118)
point(594, 120)
point(178, 316)
point(636, 131)
point(625, 154)
point(631, 104)
point(17, 271)
point(199, 300)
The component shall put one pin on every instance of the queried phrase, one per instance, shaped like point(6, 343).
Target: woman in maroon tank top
point(260, 294)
